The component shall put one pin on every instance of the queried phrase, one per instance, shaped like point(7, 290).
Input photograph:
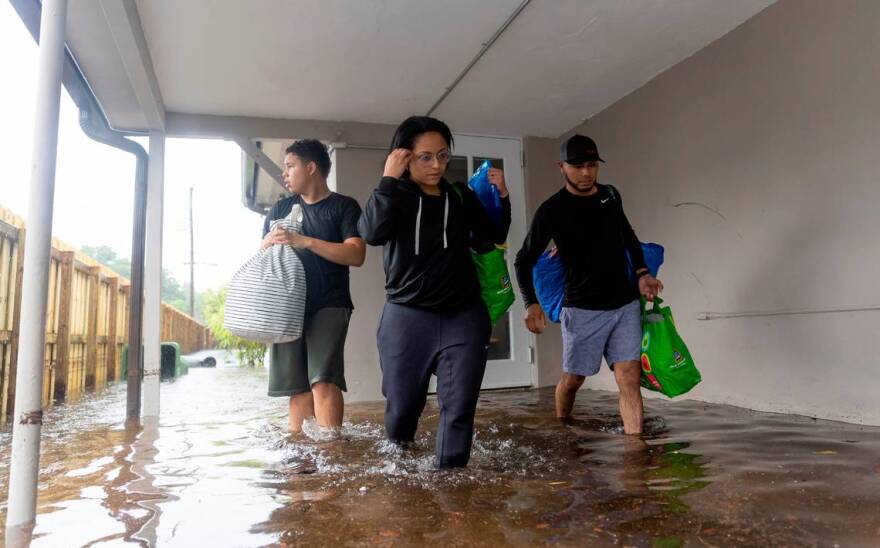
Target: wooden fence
point(86, 320)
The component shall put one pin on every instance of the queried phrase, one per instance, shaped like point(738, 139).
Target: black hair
point(408, 130)
point(311, 150)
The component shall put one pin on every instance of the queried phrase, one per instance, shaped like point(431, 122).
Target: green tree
point(107, 257)
point(248, 353)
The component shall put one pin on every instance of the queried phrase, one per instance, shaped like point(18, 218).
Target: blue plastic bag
point(486, 192)
point(549, 277)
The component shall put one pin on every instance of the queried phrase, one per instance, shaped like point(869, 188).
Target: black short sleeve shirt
point(333, 219)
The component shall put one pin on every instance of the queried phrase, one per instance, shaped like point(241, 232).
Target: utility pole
point(192, 259)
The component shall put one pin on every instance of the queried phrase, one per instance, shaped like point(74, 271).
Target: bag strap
point(613, 192)
point(457, 191)
point(615, 196)
point(654, 309)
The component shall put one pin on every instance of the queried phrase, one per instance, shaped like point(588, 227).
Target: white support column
point(28, 416)
point(153, 276)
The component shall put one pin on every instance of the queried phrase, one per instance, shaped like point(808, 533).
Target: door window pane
point(496, 162)
point(457, 170)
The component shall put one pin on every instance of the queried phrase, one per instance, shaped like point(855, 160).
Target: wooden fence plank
point(16, 321)
point(92, 329)
point(111, 329)
point(62, 350)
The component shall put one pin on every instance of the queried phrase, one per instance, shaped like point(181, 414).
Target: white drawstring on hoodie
point(445, 220)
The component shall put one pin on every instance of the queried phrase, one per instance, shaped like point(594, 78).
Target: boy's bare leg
point(328, 404)
point(302, 407)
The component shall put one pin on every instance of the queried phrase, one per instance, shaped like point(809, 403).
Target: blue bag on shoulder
point(486, 192)
point(653, 252)
point(653, 259)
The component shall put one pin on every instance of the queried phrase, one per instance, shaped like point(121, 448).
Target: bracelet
point(643, 273)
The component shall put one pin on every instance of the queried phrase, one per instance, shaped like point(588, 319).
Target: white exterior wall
point(357, 172)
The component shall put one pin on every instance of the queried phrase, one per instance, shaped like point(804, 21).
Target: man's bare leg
point(628, 375)
point(565, 393)
point(328, 404)
point(302, 407)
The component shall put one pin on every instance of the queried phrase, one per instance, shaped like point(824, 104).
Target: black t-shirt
point(591, 234)
point(333, 219)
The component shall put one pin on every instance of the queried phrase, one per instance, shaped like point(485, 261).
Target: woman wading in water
point(434, 321)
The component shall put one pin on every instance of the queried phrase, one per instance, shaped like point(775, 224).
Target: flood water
point(220, 470)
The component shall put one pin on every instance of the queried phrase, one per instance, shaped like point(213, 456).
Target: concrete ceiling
point(558, 63)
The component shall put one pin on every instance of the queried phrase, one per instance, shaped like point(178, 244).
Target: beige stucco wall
point(357, 173)
point(541, 180)
point(755, 163)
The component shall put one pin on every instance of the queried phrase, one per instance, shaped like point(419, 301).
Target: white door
point(509, 361)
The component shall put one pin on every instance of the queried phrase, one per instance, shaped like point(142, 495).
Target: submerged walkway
point(221, 471)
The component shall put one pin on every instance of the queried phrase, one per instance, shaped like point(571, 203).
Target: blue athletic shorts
point(588, 335)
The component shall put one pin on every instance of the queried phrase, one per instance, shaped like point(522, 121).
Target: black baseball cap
point(578, 149)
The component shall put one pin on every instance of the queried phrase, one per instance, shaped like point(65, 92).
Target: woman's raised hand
point(397, 162)
point(496, 177)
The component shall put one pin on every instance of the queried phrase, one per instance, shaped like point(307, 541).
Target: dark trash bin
point(171, 366)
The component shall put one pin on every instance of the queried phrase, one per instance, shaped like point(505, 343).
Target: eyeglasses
point(426, 158)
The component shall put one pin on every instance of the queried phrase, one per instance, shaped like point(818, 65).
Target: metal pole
point(28, 415)
point(486, 45)
point(136, 305)
point(153, 276)
point(192, 259)
point(251, 149)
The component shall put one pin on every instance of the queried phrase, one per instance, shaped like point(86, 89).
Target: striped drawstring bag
point(266, 299)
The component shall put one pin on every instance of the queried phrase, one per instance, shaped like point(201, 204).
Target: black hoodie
point(427, 241)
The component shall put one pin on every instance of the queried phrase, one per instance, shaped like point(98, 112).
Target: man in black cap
point(601, 313)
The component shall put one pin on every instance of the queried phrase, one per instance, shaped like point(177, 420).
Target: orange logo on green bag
point(650, 377)
point(504, 281)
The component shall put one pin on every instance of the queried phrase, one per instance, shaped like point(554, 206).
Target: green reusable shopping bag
point(495, 287)
point(667, 365)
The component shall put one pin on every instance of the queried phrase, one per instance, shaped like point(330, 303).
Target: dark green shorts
point(318, 356)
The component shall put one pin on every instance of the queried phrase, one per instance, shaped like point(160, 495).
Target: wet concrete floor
point(219, 470)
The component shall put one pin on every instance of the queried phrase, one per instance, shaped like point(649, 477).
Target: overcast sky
point(94, 183)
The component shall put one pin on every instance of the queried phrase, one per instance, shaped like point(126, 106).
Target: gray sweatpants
point(415, 343)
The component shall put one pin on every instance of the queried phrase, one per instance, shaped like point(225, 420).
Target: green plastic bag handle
point(654, 310)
